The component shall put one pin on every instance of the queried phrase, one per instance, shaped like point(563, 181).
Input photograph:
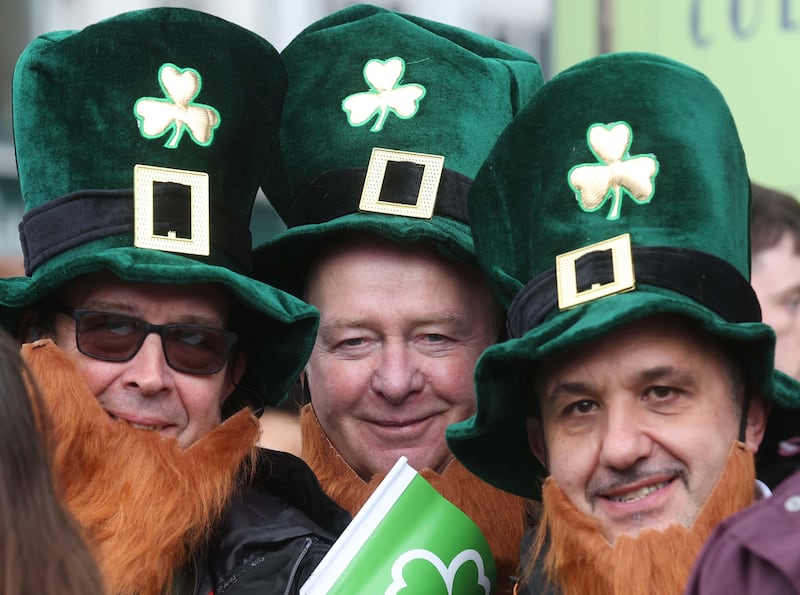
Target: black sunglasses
point(114, 337)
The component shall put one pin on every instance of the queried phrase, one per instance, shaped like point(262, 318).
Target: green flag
point(406, 540)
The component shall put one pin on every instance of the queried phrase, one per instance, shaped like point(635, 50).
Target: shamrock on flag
point(406, 540)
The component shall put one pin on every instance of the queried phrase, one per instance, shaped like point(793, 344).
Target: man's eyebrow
point(787, 291)
point(339, 323)
point(336, 323)
point(107, 305)
point(202, 320)
point(129, 309)
point(670, 374)
point(568, 388)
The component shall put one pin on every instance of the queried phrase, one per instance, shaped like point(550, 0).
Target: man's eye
point(434, 338)
point(580, 407)
point(120, 327)
point(354, 342)
point(192, 338)
point(792, 303)
point(661, 392)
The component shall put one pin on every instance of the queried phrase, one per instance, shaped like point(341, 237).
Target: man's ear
point(30, 329)
point(306, 391)
point(237, 368)
point(757, 413)
point(536, 439)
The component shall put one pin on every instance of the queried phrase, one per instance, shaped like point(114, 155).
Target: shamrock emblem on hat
point(177, 112)
point(479, 584)
point(617, 172)
point(386, 96)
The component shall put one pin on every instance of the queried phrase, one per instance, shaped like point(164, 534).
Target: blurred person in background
point(11, 266)
point(775, 277)
point(775, 250)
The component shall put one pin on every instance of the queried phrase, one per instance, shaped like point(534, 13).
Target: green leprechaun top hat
point(141, 142)
point(620, 191)
point(387, 119)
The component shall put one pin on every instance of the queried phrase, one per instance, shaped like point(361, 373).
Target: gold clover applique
point(617, 172)
point(386, 96)
point(177, 112)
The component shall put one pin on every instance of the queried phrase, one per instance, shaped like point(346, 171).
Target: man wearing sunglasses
point(172, 378)
point(139, 165)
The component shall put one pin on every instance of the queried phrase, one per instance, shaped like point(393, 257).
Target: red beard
point(145, 505)
point(580, 559)
point(499, 515)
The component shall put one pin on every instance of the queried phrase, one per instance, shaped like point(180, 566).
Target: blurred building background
point(747, 47)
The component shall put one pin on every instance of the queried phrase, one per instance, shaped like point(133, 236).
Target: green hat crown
point(141, 142)
point(647, 147)
point(620, 191)
point(388, 118)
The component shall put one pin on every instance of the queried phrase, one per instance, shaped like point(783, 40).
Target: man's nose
point(625, 440)
point(397, 375)
point(148, 369)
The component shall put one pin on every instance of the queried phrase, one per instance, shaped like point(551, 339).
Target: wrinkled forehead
point(105, 289)
point(351, 249)
point(665, 338)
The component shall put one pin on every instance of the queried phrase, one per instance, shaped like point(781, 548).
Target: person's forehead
point(105, 288)
point(661, 337)
point(368, 250)
point(361, 245)
point(778, 255)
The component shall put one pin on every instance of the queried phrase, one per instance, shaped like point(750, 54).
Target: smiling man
point(393, 361)
point(373, 192)
point(140, 147)
point(174, 381)
point(612, 221)
point(630, 423)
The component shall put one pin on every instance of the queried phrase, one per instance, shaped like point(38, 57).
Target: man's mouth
point(138, 426)
point(144, 427)
point(638, 494)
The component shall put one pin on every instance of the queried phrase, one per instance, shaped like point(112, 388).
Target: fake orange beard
point(498, 514)
point(145, 505)
point(580, 559)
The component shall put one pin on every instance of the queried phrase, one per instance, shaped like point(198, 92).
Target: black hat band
point(337, 193)
point(705, 278)
point(81, 217)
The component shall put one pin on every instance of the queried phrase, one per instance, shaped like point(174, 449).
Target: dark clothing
point(275, 533)
point(756, 550)
point(778, 454)
point(537, 583)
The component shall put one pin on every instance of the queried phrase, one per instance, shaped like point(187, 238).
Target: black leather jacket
point(275, 533)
